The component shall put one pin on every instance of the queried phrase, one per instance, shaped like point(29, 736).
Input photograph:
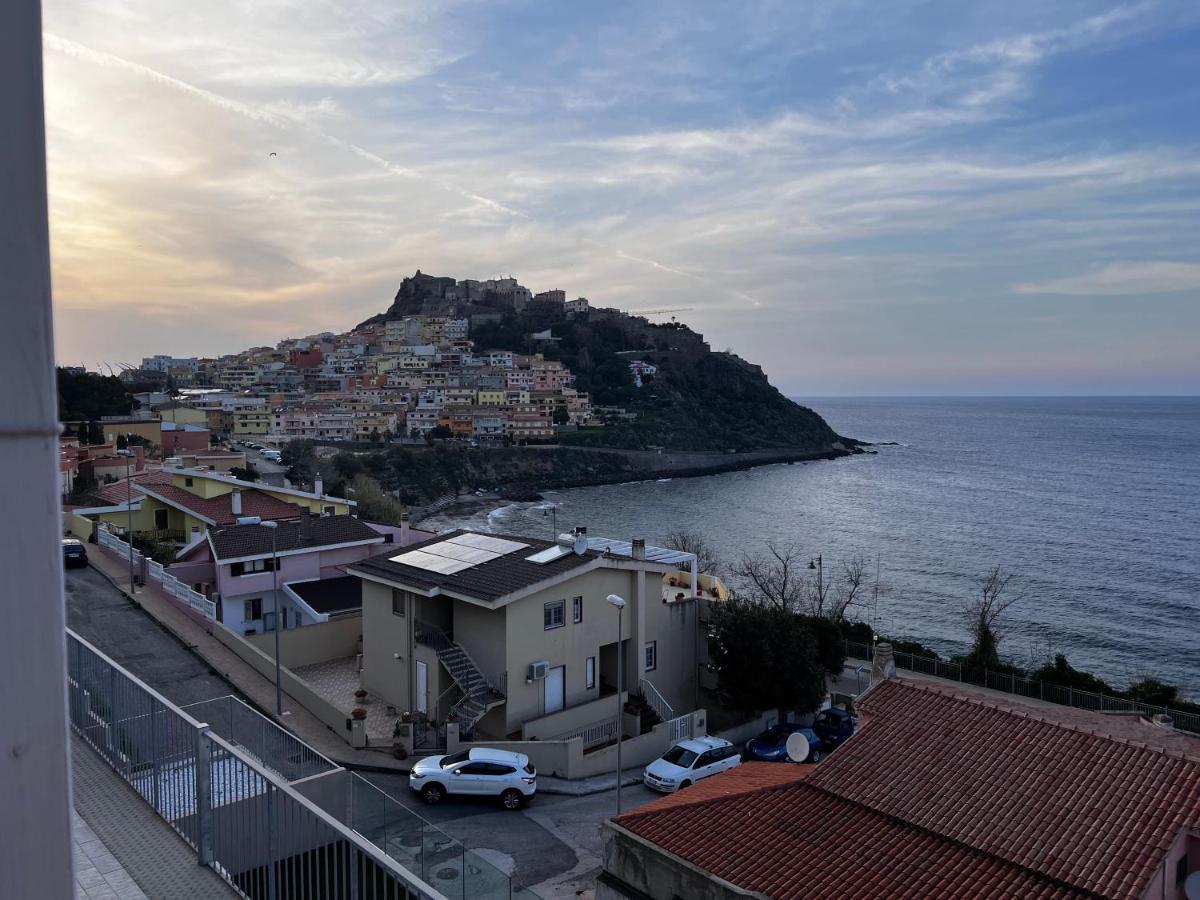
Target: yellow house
point(251, 420)
point(490, 398)
point(180, 504)
point(150, 429)
point(181, 414)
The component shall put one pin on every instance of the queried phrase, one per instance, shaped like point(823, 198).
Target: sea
point(1092, 504)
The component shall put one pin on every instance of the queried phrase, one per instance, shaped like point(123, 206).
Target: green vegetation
point(88, 395)
point(766, 658)
point(249, 473)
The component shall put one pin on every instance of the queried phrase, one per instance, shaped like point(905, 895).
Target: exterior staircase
point(479, 695)
point(636, 705)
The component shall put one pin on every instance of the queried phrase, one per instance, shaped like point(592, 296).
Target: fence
point(594, 735)
point(246, 728)
point(244, 821)
point(1027, 687)
point(193, 600)
point(680, 727)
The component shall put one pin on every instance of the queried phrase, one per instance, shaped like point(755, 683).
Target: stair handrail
point(432, 636)
point(655, 700)
point(487, 679)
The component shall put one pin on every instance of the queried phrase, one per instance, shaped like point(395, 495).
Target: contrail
point(682, 274)
point(109, 60)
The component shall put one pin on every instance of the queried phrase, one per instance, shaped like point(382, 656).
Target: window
point(705, 759)
point(252, 567)
point(398, 603)
point(253, 610)
point(577, 610)
point(651, 651)
point(187, 482)
point(589, 672)
point(329, 510)
point(160, 519)
point(554, 614)
point(1181, 869)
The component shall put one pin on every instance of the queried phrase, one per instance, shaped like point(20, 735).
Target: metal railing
point(243, 820)
point(1028, 687)
point(655, 700)
point(274, 747)
point(681, 727)
point(594, 735)
point(432, 636)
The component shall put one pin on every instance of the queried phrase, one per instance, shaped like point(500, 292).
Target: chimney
point(318, 485)
point(403, 529)
point(305, 525)
point(639, 548)
point(235, 502)
point(883, 666)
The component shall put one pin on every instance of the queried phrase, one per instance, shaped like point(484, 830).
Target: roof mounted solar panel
point(549, 555)
point(496, 545)
point(431, 562)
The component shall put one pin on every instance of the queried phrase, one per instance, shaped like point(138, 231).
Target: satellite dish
point(797, 747)
point(1191, 886)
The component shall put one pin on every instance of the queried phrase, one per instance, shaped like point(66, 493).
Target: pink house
point(235, 566)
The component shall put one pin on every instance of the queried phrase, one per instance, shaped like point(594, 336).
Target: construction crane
point(660, 312)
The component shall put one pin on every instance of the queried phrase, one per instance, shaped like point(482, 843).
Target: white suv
point(478, 772)
point(687, 761)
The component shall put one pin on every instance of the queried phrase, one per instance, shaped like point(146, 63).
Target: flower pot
point(358, 713)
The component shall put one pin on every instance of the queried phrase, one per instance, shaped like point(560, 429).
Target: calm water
point(1093, 503)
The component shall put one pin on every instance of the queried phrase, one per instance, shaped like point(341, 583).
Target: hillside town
point(401, 378)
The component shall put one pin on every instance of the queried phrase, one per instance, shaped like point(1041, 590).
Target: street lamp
point(619, 603)
point(817, 564)
point(258, 520)
point(128, 454)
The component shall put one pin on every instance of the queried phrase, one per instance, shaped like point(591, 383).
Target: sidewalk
point(257, 689)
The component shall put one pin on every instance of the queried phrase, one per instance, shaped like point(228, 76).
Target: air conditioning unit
point(538, 670)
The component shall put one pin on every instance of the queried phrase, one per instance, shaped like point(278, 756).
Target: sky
point(864, 198)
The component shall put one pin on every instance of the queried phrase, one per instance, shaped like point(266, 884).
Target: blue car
point(771, 745)
point(833, 727)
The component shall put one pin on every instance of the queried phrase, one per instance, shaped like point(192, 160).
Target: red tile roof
point(220, 509)
point(117, 492)
point(943, 795)
point(1091, 810)
point(745, 779)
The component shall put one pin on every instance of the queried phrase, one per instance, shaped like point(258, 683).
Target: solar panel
point(431, 562)
point(496, 545)
point(549, 555)
point(461, 552)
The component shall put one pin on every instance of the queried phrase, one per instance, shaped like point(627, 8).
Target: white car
point(688, 761)
point(478, 772)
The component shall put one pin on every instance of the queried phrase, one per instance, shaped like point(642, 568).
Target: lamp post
point(619, 603)
point(128, 454)
point(258, 520)
point(817, 564)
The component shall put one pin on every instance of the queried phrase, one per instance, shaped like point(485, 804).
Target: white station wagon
point(478, 772)
point(688, 761)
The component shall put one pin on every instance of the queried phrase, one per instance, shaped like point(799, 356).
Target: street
point(552, 845)
point(269, 472)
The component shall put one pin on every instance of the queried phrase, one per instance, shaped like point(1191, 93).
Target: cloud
point(1122, 278)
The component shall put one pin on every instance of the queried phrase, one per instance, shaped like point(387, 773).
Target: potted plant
point(361, 696)
point(358, 712)
point(406, 716)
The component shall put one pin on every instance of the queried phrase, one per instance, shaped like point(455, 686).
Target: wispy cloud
point(1122, 278)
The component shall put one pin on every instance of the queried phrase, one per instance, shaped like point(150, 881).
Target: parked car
point(771, 745)
point(74, 552)
point(833, 726)
point(688, 761)
point(478, 772)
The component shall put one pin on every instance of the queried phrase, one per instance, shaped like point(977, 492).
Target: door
point(556, 681)
point(422, 698)
point(470, 778)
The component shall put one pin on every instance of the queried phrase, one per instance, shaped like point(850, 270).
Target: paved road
point(269, 472)
point(100, 614)
point(553, 845)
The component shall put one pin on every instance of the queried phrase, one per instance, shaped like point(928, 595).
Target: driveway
point(553, 845)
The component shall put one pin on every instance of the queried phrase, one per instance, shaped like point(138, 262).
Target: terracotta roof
point(235, 541)
point(487, 581)
point(797, 841)
point(1090, 810)
point(220, 509)
point(116, 493)
point(943, 795)
point(745, 779)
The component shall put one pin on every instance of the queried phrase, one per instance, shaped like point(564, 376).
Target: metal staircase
point(479, 693)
